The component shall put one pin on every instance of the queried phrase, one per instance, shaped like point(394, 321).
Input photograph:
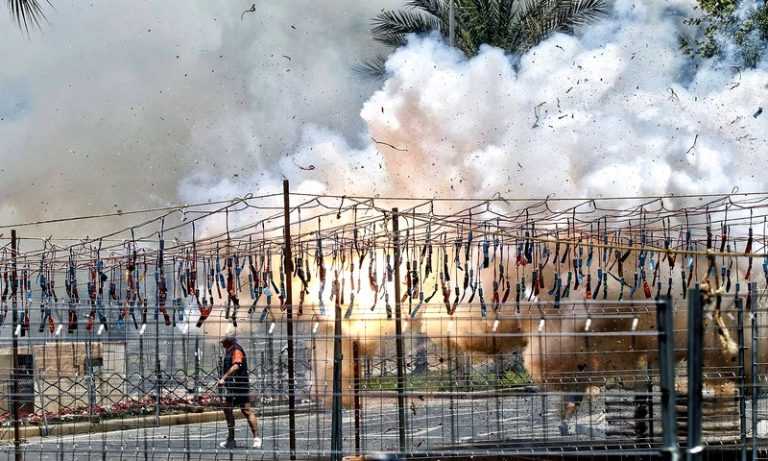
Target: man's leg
point(229, 415)
point(251, 417)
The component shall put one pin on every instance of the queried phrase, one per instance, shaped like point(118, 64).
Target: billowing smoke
point(618, 110)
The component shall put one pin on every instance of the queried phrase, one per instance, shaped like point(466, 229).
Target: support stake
point(399, 334)
point(288, 267)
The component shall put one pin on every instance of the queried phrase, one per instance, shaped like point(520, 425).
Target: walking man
point(235, 383)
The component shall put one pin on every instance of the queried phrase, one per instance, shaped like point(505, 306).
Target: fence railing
point(580, 378)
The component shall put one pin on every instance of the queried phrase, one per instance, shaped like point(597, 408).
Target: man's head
point(229, 336)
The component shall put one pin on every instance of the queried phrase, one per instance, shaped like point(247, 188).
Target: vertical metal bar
point(754, 354)
point(451, 403)
point(356, 389)
point(336, 433)
point(399, 333)
point(649, 401)
point(665, 329)
point(15, 352)
point(695, 364)
point(742, 381)
point(196, 373)
point(288, 267)
point(158, 371)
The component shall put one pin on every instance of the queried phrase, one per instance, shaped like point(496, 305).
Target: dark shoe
point(229, 444)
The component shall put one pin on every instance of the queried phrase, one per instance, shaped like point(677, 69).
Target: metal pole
point(752, 292)
point(399, 333)
point(336, 428)
point(742, 381)
point(695, 363)
point(665, 329)
point(356, 389)
point(158, 371)
point(15, 352)
point(288, 267)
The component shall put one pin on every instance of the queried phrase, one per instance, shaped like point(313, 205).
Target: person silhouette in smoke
point(236, 385)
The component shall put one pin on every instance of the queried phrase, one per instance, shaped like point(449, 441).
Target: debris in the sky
point(309, 167)
point(696, 138)
point(287, 57)
point(252, 9)
point(757, 112)
point(389, 145)
point(673, 96)
point(536, 114)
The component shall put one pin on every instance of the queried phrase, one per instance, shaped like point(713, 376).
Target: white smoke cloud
point(123, 105)
point(112, 104)
point(618, 110)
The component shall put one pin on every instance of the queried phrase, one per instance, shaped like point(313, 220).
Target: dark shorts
point(237, 399)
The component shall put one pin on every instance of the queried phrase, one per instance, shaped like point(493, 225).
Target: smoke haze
point(123, 105)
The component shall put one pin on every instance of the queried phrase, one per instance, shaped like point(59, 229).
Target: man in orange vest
point(236, 385)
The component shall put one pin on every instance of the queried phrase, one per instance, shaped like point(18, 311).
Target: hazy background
point(114, 102)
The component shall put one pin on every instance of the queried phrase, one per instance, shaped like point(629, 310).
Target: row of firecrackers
point(451, 266)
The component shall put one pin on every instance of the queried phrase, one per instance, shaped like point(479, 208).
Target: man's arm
point(237, 362)
point(232, 369)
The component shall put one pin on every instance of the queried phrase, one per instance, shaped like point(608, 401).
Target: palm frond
point(392, 26)
point(541, 18)
point(436, 8)
point(569, 15)
point(27, 13)
point(374, 68)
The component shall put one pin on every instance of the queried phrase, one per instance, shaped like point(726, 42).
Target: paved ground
point(430, 424)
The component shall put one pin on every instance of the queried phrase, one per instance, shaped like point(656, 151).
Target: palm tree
point(27, 13)
point(513, 25)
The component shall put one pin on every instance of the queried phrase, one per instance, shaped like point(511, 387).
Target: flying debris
point(252, 9)
point(696, 138)
point(757, 112)
point(399, 149)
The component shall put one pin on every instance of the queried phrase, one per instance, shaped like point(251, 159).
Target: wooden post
point(399, 334)
point(754, 356)
point(288, 268)
point(336, 421)
point(15, 351)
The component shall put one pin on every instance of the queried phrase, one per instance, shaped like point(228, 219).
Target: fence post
point(336, 435)
point(158, 371)
point(15, 352)
point(665, 330)
point(399, 333)
point(752, 293)
point(695, 364)
point(356, 390)
point(742, 381)
point(288, 267)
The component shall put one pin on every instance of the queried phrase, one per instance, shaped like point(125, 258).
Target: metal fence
point(595, 379)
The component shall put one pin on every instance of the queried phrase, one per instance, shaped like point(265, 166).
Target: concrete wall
point(60, 375)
